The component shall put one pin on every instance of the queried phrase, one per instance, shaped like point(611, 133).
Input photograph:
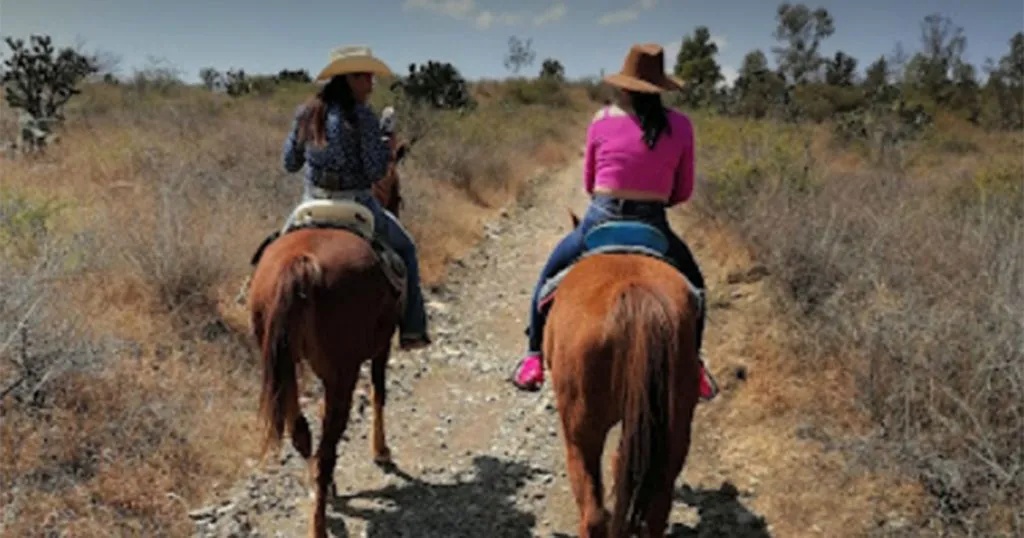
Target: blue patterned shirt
point(339, 153)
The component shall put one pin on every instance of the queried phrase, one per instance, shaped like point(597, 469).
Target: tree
point(897, 61)
point(802, 30)
point(1012, 65)
point(1004, 90)
point(877, 75)
point(758, 89)
point(696, 66)
point(943, 45)
point(520, 54)
point(964, 94)
point(840, 70)
point(552, 69)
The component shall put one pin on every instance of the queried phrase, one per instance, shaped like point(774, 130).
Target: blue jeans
point(604, 208)
point(414, 319)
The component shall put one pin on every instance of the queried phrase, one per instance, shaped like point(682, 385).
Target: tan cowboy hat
point(353, 59)
point(644, 71)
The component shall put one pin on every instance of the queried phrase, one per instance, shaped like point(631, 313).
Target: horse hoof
point(383, 458)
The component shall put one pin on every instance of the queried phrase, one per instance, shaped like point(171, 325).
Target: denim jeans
point(414, 319)
point(604, 208)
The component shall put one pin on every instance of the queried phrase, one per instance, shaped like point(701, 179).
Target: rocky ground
point(475, 457)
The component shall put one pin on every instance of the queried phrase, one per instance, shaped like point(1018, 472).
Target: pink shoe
point(708, 386)
point(530, 375)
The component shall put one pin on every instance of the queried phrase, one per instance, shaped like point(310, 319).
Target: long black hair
point(652, 114)
point(336, 90)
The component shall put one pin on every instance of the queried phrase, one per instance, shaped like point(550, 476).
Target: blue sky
point(585, 35)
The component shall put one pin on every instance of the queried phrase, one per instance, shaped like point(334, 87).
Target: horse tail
point(646, 328)
point(279, 399)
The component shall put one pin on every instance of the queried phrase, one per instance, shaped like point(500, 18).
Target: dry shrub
point(916, 284)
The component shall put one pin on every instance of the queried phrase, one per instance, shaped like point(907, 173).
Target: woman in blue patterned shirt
point(338, 137)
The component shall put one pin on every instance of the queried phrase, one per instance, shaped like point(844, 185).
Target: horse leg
point(584, 445)
point(378, 376)
point(338, 399)
point(661, 505)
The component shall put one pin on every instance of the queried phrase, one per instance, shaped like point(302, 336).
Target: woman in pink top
point(639, 160)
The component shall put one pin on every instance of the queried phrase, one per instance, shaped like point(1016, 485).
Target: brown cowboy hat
point(352, 59)
point(644, 71)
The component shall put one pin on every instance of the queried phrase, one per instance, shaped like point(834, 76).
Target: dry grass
point(907, 284)
point(131, 386)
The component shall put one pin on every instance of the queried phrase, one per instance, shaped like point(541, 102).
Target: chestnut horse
point(620, 343)
point(320, 299)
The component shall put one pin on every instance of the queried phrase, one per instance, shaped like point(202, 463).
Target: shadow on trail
point(482, 505)
point(721, 515)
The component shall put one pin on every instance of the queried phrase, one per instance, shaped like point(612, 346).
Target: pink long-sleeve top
point(616, 156)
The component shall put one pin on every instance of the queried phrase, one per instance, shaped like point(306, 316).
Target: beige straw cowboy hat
point(644, 71)
point(353, 59)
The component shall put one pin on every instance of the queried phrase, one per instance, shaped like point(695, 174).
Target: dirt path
point(478, 458)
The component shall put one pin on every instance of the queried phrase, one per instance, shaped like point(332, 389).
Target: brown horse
point(620, 343)
point(320, 299)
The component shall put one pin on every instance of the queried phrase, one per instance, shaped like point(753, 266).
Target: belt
point(629, 206)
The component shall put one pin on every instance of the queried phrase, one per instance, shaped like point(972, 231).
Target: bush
point(913, 283)
point(438, 85)
point(546, 91)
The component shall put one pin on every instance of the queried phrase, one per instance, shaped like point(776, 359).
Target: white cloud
point(552, 14)
point(721, 41)
point(456, 9)
point(627, 14)
point(671, 51)
point(730, 74)
point(618, 17)
point(483, 19)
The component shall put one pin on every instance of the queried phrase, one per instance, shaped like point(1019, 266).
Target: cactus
point(436, 84)
point(40, 81)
